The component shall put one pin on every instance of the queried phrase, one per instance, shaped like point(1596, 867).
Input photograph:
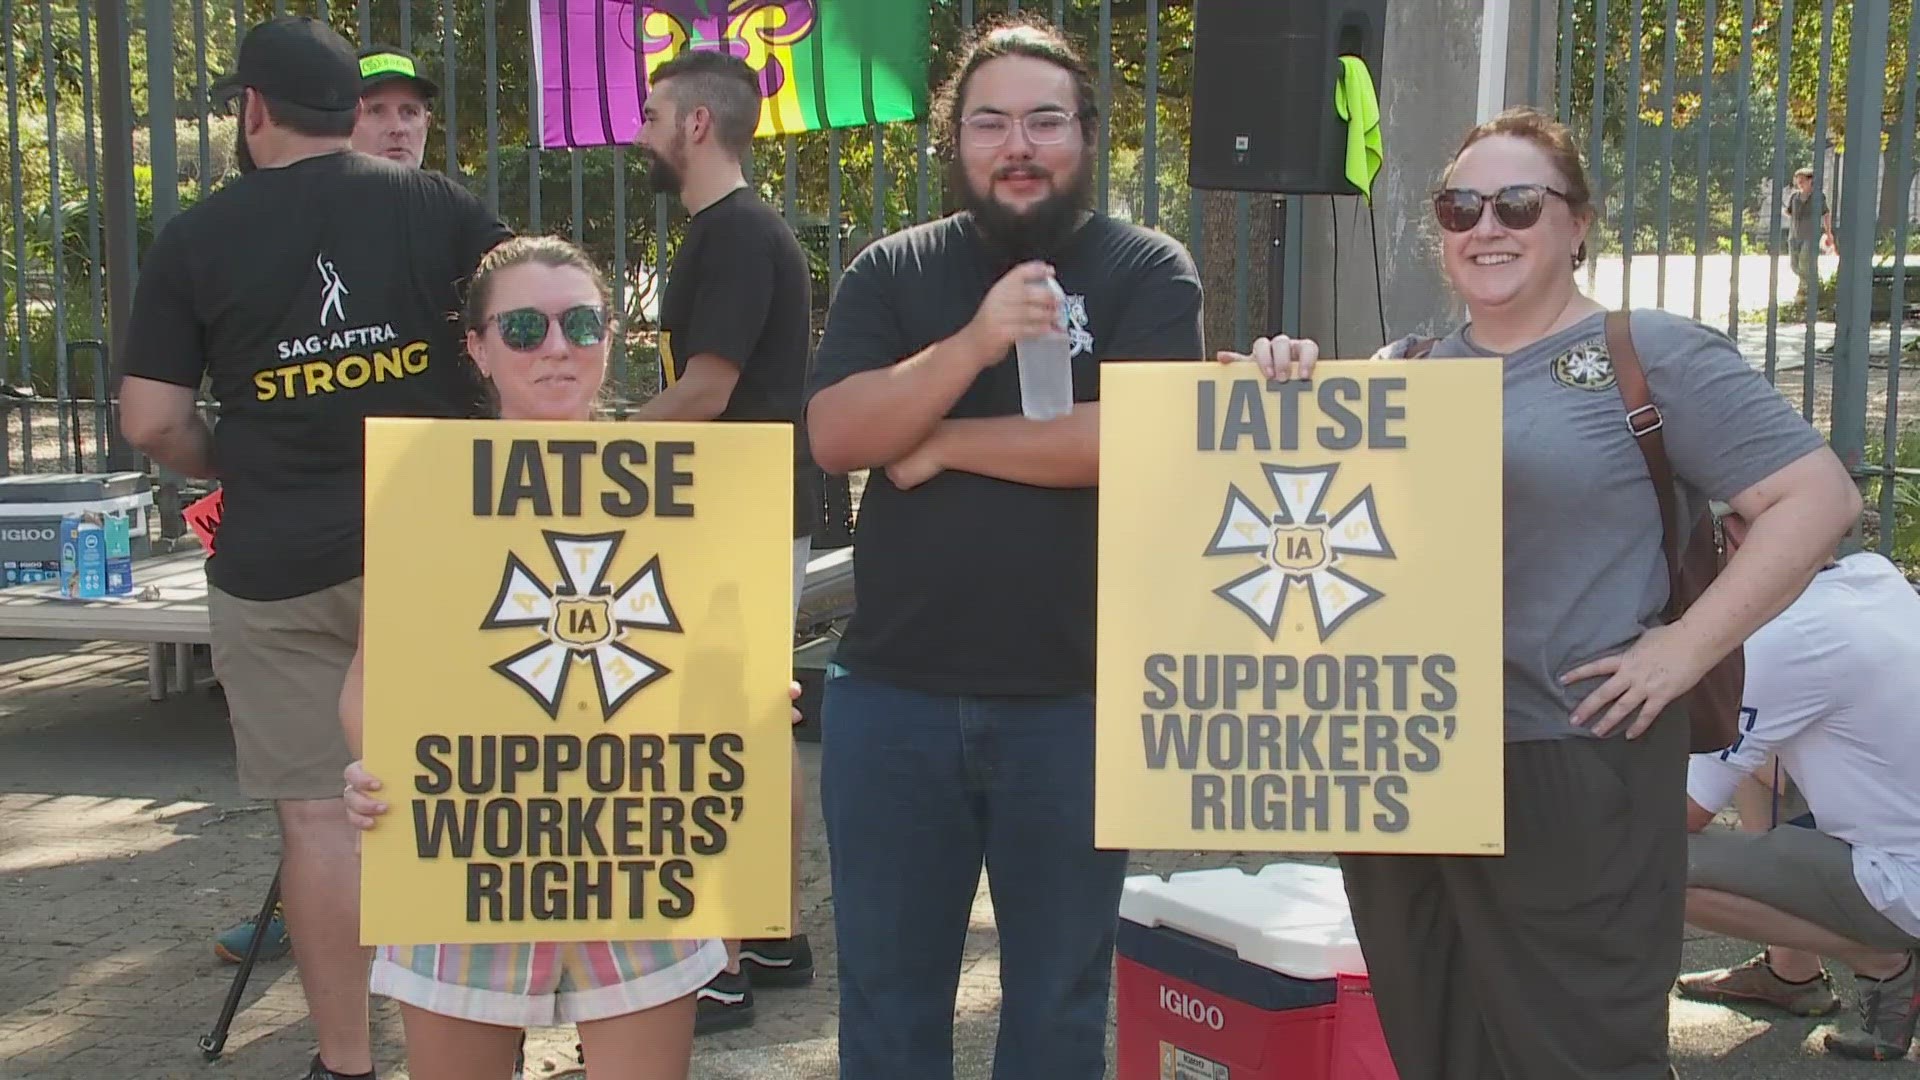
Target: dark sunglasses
point(524, 329)
point(1517, 206)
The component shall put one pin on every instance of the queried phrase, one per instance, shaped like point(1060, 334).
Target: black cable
point(1379, 286)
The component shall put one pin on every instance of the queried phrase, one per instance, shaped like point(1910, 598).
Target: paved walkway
point(124, 848)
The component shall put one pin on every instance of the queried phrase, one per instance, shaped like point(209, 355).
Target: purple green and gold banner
point(822, 63)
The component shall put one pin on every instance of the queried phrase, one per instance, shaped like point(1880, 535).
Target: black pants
point(1555, 959)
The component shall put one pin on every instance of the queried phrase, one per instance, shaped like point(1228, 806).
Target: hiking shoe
point(1888, 1011)
point(777, 961)
point(725, 1003)
point(1754, 981)
point(232, 945)
point(319, 1071)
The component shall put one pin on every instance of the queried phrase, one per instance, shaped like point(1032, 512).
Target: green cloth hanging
point(1353, 99)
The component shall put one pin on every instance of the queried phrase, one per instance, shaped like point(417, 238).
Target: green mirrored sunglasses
point(524, 329)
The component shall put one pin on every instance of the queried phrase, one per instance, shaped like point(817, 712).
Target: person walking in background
point(1558, 957)
point(957, 719)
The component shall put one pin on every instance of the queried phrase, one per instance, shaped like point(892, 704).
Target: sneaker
point(1888, 1011)
point(1754, 981)
point(725, 1003)
point(777, 961)
point(231, 946)
point(319, 1071)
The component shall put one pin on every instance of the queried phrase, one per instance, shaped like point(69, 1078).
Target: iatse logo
point(25, 534)
point(1192, 1008)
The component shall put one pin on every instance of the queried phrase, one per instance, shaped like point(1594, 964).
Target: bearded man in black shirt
point(958, 721)
point(311, 292)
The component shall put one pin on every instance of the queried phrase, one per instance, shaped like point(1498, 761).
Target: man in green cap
point(396, 106)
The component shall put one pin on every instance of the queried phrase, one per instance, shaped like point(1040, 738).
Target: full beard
point(1038, 231)
point(662, 175)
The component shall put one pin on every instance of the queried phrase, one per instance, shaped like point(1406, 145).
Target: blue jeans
point(918, 790)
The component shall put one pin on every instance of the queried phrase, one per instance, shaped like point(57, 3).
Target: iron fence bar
point(879, 185)
point(1565, 32)
point(92, 164)
point(624, 375)
point(1740, 165)
point(1669, 73)
point(659, 251)
point(1860, 176)
point(1149, 157)
point(1533, 54)
point(200, 97)
point(577, 185)
point(448, 39)
point(1630, 172)
point(22, 335)
point(279, 8)
point(118, 235)
point(966, 15)
point(160, 96)
point(57, 229)
point(834, 263)
point(1823, 100)
point(363, 21)
point(1785, 53)
point(789, 183)
point(1703, 149)
point(534, 154)
point(1902, 179)
point(1059, 12)
point(1106, 101)
point(406, 26)
point(922, 137)
point(1595, 157)
point(491, 38)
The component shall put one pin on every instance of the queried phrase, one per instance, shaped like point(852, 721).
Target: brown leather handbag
point(1694, 558)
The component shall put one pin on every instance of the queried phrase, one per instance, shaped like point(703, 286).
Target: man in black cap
point(396, 106)
point(330, 309)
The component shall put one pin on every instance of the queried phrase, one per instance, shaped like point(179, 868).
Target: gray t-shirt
point(1584, 572)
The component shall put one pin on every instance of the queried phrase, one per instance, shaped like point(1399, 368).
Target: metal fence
point(1694, 115)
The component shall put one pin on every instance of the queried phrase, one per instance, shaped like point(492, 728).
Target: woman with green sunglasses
point(538, 329)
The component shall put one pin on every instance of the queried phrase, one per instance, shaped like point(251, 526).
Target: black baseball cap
point(381, 64)
point(299, 60)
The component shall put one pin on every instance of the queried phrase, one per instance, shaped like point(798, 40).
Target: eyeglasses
point(1517, 206)
point(1044, 127)
point(524, 329)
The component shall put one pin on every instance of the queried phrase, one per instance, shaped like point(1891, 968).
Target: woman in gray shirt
point(1556, 958)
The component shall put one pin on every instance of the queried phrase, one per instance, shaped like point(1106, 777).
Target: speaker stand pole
point(1277, 266)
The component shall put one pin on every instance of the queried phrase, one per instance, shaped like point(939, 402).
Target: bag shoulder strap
point(1644, 422)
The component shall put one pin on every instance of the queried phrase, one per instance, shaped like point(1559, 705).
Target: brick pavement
point(124, 847)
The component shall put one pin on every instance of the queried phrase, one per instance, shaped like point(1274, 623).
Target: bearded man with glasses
point(958, 720)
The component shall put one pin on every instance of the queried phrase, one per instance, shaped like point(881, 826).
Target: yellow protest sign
point(1300, 608)
point(578, 641)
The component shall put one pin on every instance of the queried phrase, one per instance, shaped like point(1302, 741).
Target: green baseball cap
point(380, 64)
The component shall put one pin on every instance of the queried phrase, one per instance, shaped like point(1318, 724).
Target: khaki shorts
point(1803, 872)
point(282, 664)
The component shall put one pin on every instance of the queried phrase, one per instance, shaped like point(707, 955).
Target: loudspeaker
point(1263, 78)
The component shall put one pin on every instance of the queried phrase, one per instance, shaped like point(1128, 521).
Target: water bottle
point(1046, 373)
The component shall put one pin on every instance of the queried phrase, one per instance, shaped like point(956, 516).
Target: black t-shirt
point(739, 289)
point(311, 296)
point(969, 584)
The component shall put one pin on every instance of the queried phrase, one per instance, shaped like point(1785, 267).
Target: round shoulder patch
point(1584, 367)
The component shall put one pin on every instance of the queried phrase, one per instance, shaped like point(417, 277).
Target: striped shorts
point(544, 984)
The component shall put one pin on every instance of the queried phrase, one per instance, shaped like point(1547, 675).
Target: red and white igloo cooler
point(1226, 975)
